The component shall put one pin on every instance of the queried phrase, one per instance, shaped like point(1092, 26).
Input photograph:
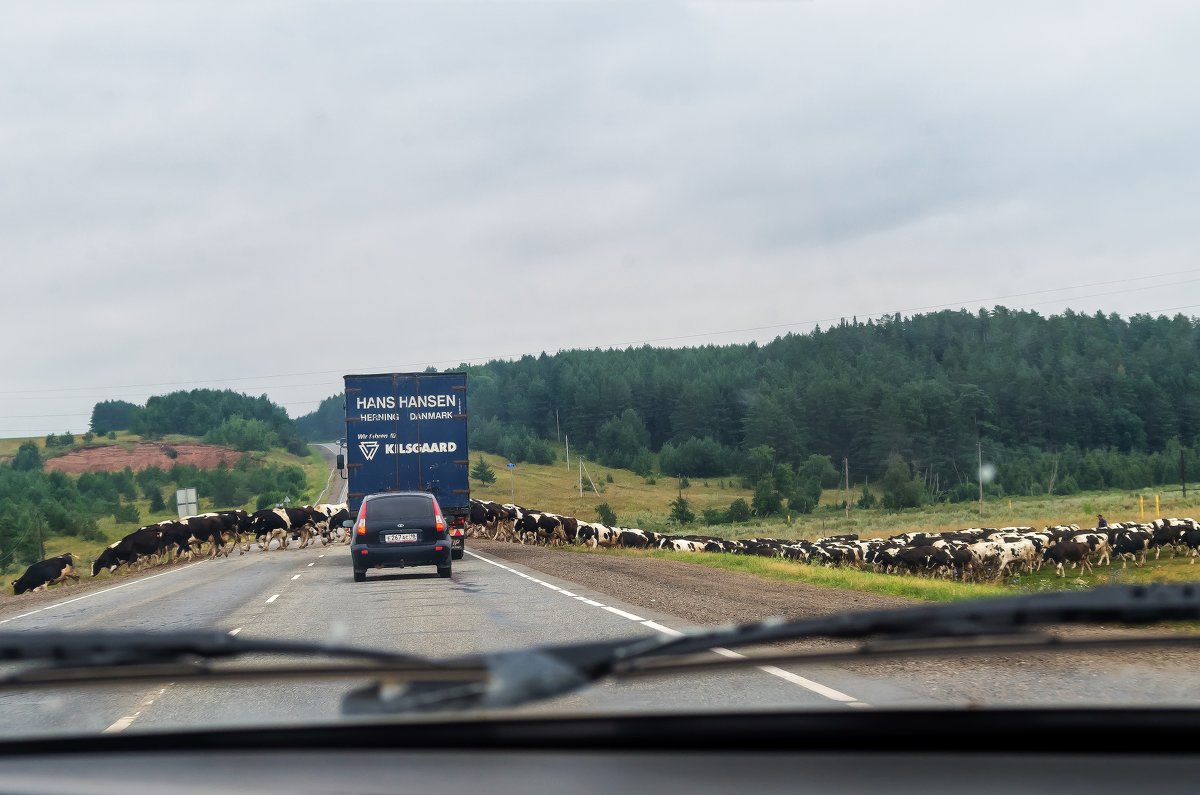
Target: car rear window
point(399, 509)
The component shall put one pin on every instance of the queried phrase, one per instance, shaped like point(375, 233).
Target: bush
point(606, 514)
point(608, 478)
point(28, 457)
point(867, 500)
point(901, 489)
point(127, 513)
point(714, 516)
point(739, 511)
point(650, 481)
point(681, 511)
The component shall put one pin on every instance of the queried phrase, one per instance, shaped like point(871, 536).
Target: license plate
point(397, 538)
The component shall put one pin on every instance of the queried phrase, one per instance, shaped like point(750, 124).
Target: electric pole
point(979, 451)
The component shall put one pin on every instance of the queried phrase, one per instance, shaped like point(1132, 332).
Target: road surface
point(489, 604)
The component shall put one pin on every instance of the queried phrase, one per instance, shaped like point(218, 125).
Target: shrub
point(606, 514)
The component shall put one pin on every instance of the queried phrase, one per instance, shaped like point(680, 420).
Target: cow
point(141, 543)
point(45, 573)
point(1130, 545)
point(272, 524)
point(1073, 552)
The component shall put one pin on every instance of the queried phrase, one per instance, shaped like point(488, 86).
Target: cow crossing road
point(488, 605)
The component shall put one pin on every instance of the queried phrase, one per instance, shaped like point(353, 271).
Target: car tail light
point(361, 527)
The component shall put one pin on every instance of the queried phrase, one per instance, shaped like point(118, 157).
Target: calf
point(45, 573)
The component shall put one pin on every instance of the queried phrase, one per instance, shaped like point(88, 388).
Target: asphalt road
point(488, 605)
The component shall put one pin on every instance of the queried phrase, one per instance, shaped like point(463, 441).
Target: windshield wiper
point(405, 683)
point(982, 625)
point(92, 657)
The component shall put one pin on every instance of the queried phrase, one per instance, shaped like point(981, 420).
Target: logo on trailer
point(368, 449)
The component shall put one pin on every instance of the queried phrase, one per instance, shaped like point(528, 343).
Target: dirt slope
point(113, 458)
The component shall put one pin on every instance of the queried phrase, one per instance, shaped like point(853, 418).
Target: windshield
point(687, 314)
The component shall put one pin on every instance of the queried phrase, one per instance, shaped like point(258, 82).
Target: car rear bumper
point(377, 556)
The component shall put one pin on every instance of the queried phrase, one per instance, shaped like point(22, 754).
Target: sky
point(267, 195)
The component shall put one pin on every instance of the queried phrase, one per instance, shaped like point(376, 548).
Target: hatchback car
point(400, 529)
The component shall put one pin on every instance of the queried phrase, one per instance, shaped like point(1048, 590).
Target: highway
point(489, 604)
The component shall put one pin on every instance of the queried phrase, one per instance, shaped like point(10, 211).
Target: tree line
point(218, 416)
point(1056, 403)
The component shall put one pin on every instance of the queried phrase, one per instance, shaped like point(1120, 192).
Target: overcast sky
point(265, 196)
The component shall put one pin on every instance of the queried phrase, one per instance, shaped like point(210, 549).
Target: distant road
point(335, 484)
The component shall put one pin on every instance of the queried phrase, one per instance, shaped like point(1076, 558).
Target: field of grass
point(555, 488)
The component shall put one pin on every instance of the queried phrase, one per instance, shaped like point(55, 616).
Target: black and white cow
point(45, 573)
point(276, 524)
point(141, 543)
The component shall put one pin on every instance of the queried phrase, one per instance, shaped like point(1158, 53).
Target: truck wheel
point(444, 571)
point(360, 576)
point(456, 554)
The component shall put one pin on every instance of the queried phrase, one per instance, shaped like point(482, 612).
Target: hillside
point(1058, 404)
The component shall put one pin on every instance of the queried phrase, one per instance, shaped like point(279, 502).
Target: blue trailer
point(408, 432)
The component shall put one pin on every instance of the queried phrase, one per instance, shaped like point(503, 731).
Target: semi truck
point(407, 432)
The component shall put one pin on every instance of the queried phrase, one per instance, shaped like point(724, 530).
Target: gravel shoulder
point(707, 596)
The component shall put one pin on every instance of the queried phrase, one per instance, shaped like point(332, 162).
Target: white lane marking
point(320, 556)
point(621, 613)
point(313, 563)
point(120, 725)
point(273, 598)
point(235, 631)
point(787, 676)
point(296, 577)
point(657, 627)
point(796, 679)
point(97, 593)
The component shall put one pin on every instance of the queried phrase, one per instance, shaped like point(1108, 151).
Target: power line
point(465, 360)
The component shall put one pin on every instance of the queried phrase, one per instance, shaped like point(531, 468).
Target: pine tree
point(483, 473)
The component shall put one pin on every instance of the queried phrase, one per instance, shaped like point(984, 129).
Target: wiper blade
point(114, 648)
point(1110, 604)
point(527, 676)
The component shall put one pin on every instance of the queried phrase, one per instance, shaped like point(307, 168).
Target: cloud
point(193, 193)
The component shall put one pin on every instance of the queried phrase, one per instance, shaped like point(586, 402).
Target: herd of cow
point(184, 539)
point(973, 554)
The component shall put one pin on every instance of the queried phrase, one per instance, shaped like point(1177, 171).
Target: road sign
point(511, 466)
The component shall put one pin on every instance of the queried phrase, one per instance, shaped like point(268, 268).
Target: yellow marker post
point(1157, 515)
point(1141, 507)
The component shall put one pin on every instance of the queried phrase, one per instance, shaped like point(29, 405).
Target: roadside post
point(512, 489)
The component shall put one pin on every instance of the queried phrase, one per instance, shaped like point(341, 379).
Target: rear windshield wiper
point(978, 626)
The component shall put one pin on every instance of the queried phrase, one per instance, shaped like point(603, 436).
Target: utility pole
point(557, 431)
point(979, 450)
point(1182, 475)
point(567, 439)
point(846, 472)
point(579, 465)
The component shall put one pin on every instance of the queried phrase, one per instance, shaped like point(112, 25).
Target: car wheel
point(456, 554)
point(444, 571)
point(360, 576)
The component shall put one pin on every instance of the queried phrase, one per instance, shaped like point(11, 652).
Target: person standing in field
point(1101, 522)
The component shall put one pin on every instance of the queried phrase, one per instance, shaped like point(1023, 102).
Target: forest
point(1055, 403)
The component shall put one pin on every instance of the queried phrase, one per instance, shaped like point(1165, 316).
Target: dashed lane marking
point(779, 673)
point(313, 563)
point(296, 577)
point(235, 630)
point(273, 598)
